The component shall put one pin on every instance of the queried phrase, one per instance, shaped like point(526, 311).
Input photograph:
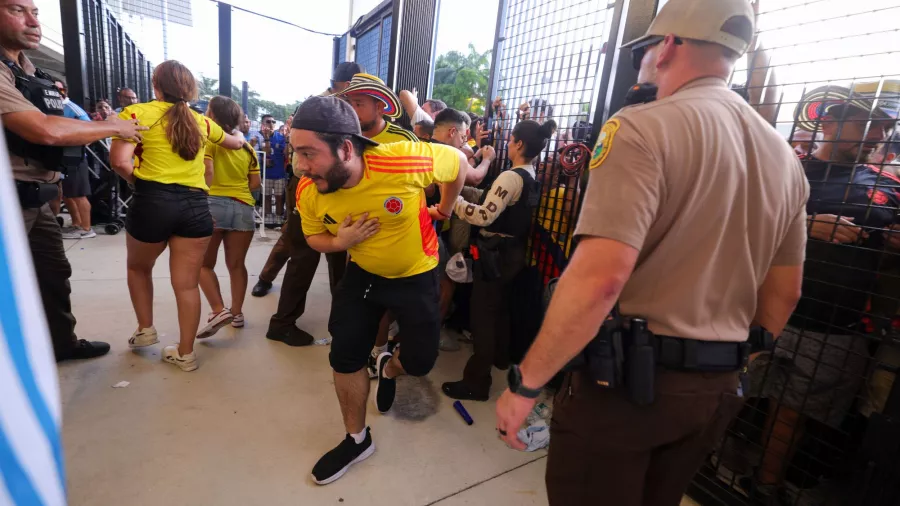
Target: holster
point(621, 356)
point(486, 257)
point(33, 195)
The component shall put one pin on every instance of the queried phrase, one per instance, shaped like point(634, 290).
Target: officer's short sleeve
point(11, 100)
point(625, 186)
point(792, 250)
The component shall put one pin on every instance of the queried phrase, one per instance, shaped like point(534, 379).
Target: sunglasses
point(637, 53)
point(270, 122)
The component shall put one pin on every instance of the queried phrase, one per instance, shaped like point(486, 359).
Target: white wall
point(51, 24)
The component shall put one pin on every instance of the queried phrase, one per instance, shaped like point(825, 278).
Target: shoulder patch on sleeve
point(604, 143)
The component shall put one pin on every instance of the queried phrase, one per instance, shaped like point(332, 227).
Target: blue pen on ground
point(463, 413)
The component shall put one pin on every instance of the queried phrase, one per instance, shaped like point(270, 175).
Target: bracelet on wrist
point(442, 213)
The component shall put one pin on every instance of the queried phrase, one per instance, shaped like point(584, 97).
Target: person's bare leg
point(185, 261)
point(74, 211)
point(141, 256)
point(353, 393)
point(268, 203)
point(393, 367)
point(209, 282)
point(84, 212)
point(236, 246)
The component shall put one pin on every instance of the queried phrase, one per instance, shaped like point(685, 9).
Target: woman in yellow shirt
point(231, 175)
point(169, 207)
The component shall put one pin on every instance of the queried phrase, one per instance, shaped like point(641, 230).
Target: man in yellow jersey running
point(368, 199)
point(373, 101)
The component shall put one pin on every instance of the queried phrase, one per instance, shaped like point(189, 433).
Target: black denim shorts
point(158, 211)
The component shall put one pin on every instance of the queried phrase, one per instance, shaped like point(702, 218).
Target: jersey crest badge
point(604, 143)
point(393, 205)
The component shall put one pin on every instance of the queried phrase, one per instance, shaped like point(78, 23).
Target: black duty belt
point(693, 355)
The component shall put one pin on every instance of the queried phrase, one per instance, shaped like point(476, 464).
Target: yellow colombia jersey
point(393, 133)
point(392, 191)
point(232, 167)
point(155, 159)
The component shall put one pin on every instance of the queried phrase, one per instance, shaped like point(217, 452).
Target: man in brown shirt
point(20, 30)
point(693, 220)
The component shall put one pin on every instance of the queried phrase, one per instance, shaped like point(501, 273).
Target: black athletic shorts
point(359, 302)
point(158, 211)
point(77, 182)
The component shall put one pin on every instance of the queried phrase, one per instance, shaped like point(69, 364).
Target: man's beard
point(336, 177)
point(365, 127)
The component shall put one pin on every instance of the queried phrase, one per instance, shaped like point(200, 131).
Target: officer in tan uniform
point(694, 222)
point(36, 137)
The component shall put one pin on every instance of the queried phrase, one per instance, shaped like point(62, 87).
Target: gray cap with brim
point(329, 115)
point(729, 23)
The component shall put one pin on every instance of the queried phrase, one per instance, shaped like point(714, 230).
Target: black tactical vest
point(516, 219)
point(42, 93)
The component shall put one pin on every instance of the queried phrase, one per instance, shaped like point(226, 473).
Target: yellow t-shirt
point(392, 191)
point(231, 169)
point(555, 219)
point(393, 133)
point(155, 159)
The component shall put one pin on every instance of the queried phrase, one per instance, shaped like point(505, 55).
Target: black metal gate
point(101, 58)
point(822, 425)
point(548, 64)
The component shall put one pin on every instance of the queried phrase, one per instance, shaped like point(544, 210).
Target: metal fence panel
point(367, 50)
point(825, 390)
point(112, 59)
point(548, 65)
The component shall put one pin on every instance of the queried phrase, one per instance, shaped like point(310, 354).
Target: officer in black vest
point(37, 137)
point(504, 212)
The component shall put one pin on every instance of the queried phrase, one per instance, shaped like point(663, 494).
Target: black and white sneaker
point(386, 388)
point(372, 366)
point(336, 462)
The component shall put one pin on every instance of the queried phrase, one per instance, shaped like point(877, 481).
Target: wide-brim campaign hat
point(367, 84)
point(880, 99)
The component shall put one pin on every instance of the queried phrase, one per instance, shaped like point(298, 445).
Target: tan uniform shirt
point(712, 197)
point(11, 100)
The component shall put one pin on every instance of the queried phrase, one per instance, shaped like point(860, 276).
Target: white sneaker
point(88, 234)
point(143, 337)
point(187, 363)
point(72, 233)
point(215, 322)
point(238, 321)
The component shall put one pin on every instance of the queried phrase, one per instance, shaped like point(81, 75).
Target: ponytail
point(182, 131)
point(534, 136)
point(178, 86)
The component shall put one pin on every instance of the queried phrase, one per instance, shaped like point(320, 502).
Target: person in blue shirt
point(273, 144)
point(76, 187)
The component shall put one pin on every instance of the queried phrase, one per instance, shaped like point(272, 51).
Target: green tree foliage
point(461, 80)
point(209, 88)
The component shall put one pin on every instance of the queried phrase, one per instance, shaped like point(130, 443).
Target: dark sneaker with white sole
point(335, 463)
point(385, 389)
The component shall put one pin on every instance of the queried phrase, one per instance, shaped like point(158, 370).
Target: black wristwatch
point(514, 377)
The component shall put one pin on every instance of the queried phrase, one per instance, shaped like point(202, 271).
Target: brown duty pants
point(606, 450)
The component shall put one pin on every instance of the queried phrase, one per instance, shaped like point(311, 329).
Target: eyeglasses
point(637, 53)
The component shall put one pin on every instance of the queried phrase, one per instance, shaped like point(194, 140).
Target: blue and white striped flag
point(31, 459)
